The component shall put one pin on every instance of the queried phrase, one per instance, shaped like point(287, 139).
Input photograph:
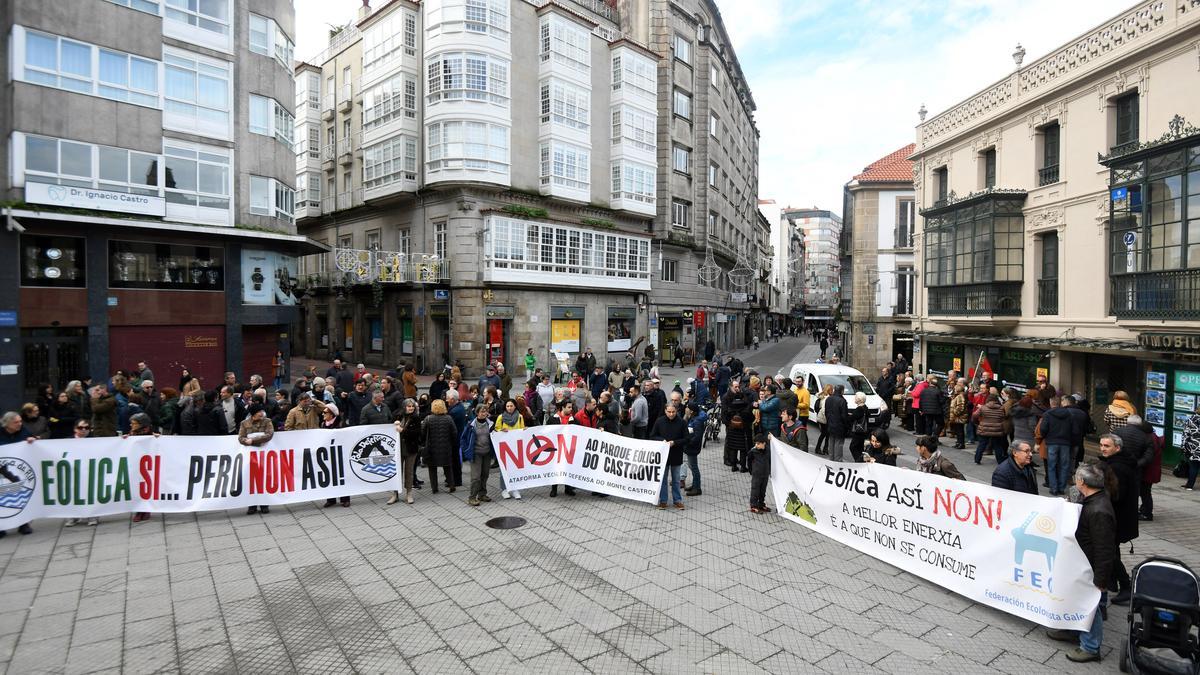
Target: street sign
point(1129, 238)
point(8, 317)
point(1120, 193)
point(441, 294)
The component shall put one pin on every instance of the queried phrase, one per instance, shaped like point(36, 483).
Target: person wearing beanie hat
point(331, 419)
point(256, 430)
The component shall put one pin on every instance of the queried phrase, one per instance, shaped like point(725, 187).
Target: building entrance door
point(497, 341)
point(54, 357)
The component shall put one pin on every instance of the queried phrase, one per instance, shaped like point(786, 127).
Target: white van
point(817, 375)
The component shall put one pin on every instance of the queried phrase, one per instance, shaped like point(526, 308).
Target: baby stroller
point(1164, 612)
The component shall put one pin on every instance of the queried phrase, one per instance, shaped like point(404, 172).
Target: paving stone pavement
point(588, 585)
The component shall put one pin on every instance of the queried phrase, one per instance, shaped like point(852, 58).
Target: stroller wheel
point(1123, 663)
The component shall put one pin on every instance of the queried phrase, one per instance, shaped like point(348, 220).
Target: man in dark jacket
point(1096, 534)
point(229, 412)
point(344, 380)
point(355, 402)
point(597, 381)
point(1015, 473)
point(1125, 504)
point(1057, 432)
point(377, 411)
point(656, 401)
point(723, 376)
point(1136, 443)
point(885, 386)
point(933, 406)
point(837, 422)
point(737, 402)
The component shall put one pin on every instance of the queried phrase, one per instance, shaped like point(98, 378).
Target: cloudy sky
point(838, 82)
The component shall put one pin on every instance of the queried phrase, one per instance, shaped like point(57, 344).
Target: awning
point(1022, 340)
point(294, 243)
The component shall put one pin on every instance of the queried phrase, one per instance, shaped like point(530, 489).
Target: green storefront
point(1172, 395)
point(942, 357)
point(1020, 367)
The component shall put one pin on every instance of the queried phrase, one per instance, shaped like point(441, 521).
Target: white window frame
point(272, 198)
point(278, 121)
point(448, 79)
point(636, 72)
point(563, 250)
point(636, 126)
point(26, 173)
point(714, 124)
point(456, 145)
point(275, 43)
point(565, 42)
point(309, 193)
point(196, 122)
point(633, 181)
point(714, 76)
point(681, 214)
point(216, 159)
point(192, 25)
point(91, 83)
point(391, 99)
point(390, 161)
point(453, 16)
point(712, 174)
point(387, 41)
point(682, 104)
point(670, 271)
point(681, 48)
point(681, 159)
point(147, 6)
point(565, 104)
point(565, 165)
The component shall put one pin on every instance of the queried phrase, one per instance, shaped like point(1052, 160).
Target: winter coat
point(62, 420)
point(989, 421)
point(104, 416)
point(1116, 415)
point(958, 409)
point(440, 438)
point(915, 394)
point(1056, 426)
point(458, 414)
point(299, 419)
point(1153, 471)
point(695, 428)
point(410, 435)
point(736, 403)
point(410, 384)
point(1125, 502)
point(837, 416)
point(1191, 438)
point(1137, 444)
point(437, 390)
point(206, 420)
point(667, 429)
point(803, 401)
point(1024, 422)
point(795, 436)
point(933, 401)
point(1097, 536)
point(788, 399)
point(168, 416)
point(656, 401)
point(769, 415)
point(369, 415)
point(1011, 477)
point(858, 415)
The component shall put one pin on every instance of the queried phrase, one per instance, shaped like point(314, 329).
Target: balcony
point(328, 106)
point(345, 97)
point(903, 307)
point(1047, 297)
point(1000, 299)
point(349, 200)
point(329, 154)
point(1048, 175)
point(1156, 295)
point(1124, 148)
point(328, 204)
point(346, 147)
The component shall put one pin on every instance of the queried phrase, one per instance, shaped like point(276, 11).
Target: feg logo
point(538, 450)
point(16, 485)
point(1032, 546)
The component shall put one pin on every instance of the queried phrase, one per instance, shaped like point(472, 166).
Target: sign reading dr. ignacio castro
point(581, 457)
point(81, 478)
point(1008, 550)
point(91, 198)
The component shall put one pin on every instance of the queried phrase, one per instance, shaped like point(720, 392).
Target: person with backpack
point(792, 431)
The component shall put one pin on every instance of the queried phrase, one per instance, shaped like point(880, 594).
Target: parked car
point(817, 375)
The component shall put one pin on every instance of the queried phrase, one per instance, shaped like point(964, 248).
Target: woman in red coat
point(1152, 473)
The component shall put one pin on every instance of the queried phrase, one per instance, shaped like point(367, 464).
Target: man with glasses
point(1015, 473)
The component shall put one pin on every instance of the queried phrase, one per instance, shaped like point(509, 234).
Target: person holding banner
point(510, 420)
point(256, 430)
point(672, 429)
point(1096, 534)
point(408, 429)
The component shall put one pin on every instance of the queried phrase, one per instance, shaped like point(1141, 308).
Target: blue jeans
point(1058, 467)
point(672, 477)
point(693, 463)
point(1193, 472)
point(971, 432)
point(1090, 641)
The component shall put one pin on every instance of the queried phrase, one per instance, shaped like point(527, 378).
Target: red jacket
point(1153, 471)
point(916, 393)
point(588, 420)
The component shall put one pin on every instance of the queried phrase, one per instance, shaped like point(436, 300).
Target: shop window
point(55, 262)
point(138, 264)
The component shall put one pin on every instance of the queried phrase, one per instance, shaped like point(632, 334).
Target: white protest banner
point(1012, 551)
point(581, 457)
point(79, 478)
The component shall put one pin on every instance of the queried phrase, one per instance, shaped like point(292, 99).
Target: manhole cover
point(505, 523)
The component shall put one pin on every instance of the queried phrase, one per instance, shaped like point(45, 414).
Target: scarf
point(928, 465)
point(509, 418)
point(1122, 408)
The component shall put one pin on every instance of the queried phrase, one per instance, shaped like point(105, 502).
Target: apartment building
point(822, 281)
point(1060, 219)
point(488, 176)
point(151, 178)
point(877, 251)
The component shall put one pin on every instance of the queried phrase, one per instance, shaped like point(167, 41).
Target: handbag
point(819, 416)
point(1181, 469)
point(859, 426)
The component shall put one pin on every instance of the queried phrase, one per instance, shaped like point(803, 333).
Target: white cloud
point(826, 111)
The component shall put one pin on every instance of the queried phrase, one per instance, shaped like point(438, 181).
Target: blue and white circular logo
point(373, 458)
point(17, 483)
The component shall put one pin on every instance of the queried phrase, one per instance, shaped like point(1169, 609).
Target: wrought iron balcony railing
point(991, 299)
point(1171, 294)
point(1047, 175)
point(1047, 297)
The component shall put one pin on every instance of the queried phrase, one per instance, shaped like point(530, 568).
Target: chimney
point(365, 10)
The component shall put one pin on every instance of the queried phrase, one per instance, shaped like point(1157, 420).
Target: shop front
point(670, 330)
point(621, 323)
point(942, 357)
point(1018, 368)
point(566, 331)
point(497, 332)
point(1172, 386)
point(902, 343)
